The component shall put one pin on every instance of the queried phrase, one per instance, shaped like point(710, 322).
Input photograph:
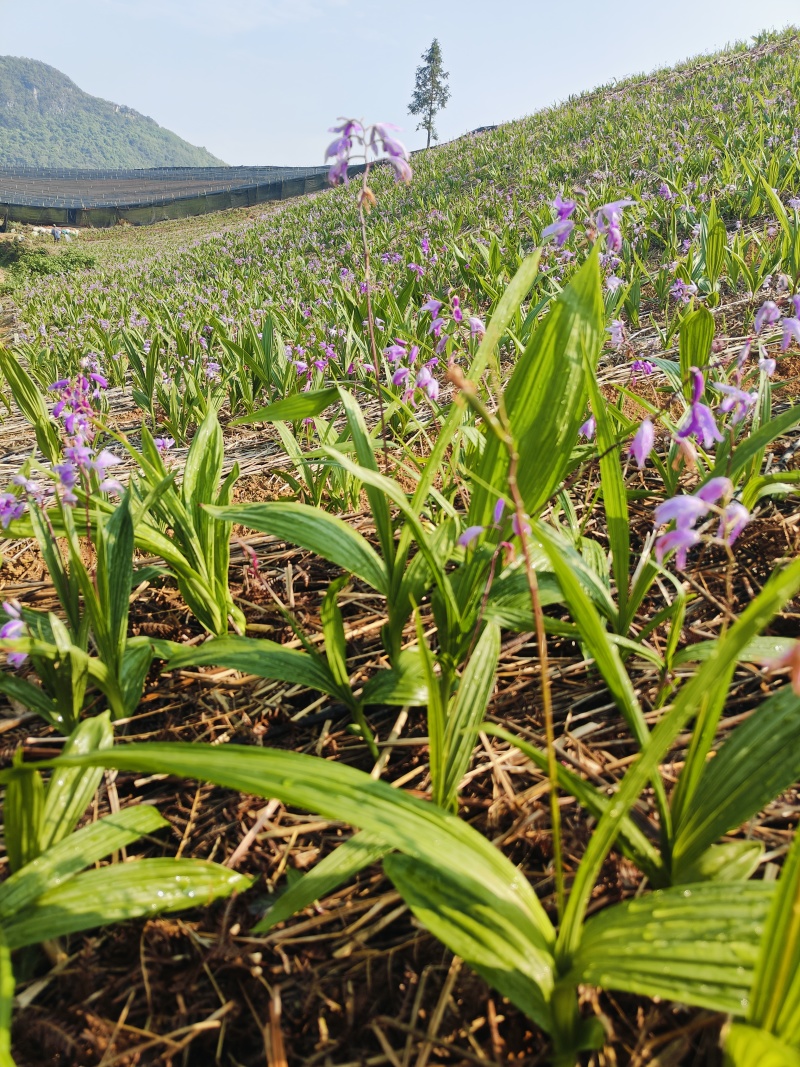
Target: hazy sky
point(260, 81)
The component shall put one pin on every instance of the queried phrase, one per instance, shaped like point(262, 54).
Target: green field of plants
point(401, 605)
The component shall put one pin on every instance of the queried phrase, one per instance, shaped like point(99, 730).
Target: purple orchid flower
point(520, 529)
point(714, 490)
point(588, 429)
point(563, 208)
point(681, 540)
point(396, 350)
point(682, 291)
point(641, 366)
point(700, 421)
point(426, 381)
point(559, 231)
point(608, 220)
point(642, 444)
point(766, 315)
point(338, 172)
point(791, 332)
point(402, 171)
point(608, 214)
point(11, 508)
point(617, 331)
point(736, 400)
point(12, 630)
point(767, 365)
point(735, 517)
point(563, 226)
point(472, 533)
point(684, 511)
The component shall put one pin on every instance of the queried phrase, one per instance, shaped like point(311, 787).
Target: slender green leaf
point(314, 530)
point(258, 656)
point(31, 403)
point(69, 792)
point(697, 944)
point(467, 709)
point(759, 650)
point(291, 408)
point(731, 861)
point(117, 537)
point(606, 656)
point(755, 444)
point(615, 496)
point(545, 398)
point(136, 660)
point(30, 696)
point(632, 841)
point(758, 761)
point(119, 892)
point(396, 494)
point(80, 849)
point(333, 632)
point(340, 866)
point(747, 1046)
point(22, 819)
point(712, 679)
point(471, 928)
point(338, 791)
point(403, 683)
point(6, 1002)
point(436, 711)
point(378, 502)
point(775, 997)
point(507, 308)
point(695, 337)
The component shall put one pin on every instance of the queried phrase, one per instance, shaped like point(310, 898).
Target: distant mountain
point(47, 121)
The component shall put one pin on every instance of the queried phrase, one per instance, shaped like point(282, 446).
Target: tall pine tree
point(431, 91)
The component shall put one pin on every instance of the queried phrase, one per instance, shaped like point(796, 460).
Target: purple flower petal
point(714, 490)
point(683, 510)
point(734, 519)
point(766, 315)
point(524, 529)
point(642, 444)
point(472, 533)
point(791, 332)
point(588, 428)
point(681, 540)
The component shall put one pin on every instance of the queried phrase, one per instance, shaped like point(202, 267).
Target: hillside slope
point(672, 141)
point(46, 120)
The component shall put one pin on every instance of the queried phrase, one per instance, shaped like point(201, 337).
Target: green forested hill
point(47, 121)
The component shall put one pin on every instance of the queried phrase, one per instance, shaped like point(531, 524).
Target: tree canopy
point(431, 91)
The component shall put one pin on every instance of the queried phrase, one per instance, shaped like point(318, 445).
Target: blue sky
point(260, 81)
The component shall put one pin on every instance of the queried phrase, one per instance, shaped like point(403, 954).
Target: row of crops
point(558, 367)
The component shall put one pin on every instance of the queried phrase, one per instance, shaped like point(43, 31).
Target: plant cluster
point(485, 392)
